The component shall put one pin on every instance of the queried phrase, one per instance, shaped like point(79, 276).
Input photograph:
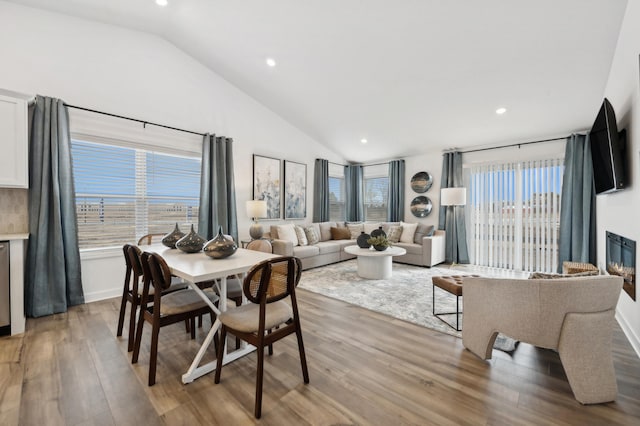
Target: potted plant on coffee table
point(380, 242)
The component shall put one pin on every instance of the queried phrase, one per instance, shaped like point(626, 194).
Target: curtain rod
point(364, 165)
point(508, 146)
point(144, 123)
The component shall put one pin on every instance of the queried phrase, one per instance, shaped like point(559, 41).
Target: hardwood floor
point(365, 369)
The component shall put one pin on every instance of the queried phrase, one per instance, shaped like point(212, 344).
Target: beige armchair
point(574, 316)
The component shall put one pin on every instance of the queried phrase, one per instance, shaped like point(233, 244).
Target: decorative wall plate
point(421, 206)
point(421, 182)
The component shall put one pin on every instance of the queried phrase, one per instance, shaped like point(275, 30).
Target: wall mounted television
point(607, 151)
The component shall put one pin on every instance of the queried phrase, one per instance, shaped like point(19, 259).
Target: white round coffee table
point(374, 264)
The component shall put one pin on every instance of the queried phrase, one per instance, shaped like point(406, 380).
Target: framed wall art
point(266, 184)
point(295, 190)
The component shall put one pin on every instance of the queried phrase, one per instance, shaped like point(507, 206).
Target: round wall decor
point(421, 206)
point(421, 182)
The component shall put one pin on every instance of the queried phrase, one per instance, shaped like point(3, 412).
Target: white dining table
point(198, 267)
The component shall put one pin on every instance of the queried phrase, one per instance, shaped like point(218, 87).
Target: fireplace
point(621, 260)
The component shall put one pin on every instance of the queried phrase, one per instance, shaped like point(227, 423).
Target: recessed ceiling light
point(271, 62)
point(363, 141)
point(162, 2)
point(501, 111)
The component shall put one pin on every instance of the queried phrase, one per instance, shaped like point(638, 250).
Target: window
point(515, 215)
point(123, 193)
point(376, 192)
point(337, 211)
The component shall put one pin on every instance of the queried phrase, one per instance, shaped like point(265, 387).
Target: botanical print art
point(266, 184)
point(295, 190)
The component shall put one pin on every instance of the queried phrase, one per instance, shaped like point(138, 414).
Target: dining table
point(198, 267)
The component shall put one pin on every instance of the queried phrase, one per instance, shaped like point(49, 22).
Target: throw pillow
point(355, 229)
point(547, 276)
point(302, 238)
point(340, 233)
point(394, 234)
point(370, 227)
point(422, 231)
point(312, 235)
point(288, 233)
point(325, 230)
point(408, 231)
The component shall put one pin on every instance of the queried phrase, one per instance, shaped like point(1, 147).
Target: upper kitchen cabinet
point(14, 140)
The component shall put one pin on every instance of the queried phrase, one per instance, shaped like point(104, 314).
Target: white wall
point(142, 76)
point(619, 212)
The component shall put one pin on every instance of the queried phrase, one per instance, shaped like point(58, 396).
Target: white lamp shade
point(453, 196)
point(256, 208)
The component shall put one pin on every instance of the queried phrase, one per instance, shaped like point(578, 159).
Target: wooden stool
point(453, 285)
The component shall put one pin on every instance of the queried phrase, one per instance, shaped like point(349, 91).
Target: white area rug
point(407, 295)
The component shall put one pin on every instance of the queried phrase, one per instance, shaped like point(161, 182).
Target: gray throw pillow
point(423, 231)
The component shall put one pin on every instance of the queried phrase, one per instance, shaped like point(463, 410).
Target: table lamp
point(256, 209)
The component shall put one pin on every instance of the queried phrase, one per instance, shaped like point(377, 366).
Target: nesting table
point(373, 264)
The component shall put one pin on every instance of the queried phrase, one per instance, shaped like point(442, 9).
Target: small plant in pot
point(380, 242)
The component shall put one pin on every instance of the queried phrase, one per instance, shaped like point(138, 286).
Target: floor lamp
point(256, 209)
point(450, 198)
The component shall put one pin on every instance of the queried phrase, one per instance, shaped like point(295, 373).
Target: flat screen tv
point(607, 151)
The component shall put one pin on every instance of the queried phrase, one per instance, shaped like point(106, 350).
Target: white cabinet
point(14, 140)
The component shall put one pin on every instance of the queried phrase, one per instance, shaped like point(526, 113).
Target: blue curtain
point(321, 191)
point(217, 188)
point(451, 218)
point(395, 204)
point(578, 204)
point(53, 279)
point(353, 194)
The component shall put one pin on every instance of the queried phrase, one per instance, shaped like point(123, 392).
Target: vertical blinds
point(515, 214)
point(123, 193)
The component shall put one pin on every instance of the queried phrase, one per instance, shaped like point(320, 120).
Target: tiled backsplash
point(14, 217)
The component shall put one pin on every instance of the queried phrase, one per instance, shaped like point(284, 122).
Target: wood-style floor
point(365, 369)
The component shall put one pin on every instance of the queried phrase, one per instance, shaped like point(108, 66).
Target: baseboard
point(102, 295)
point(628, 331)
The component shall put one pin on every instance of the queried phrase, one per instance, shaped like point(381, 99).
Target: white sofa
point(429, 251)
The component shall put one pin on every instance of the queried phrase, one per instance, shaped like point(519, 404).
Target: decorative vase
point(191, 243)
point(171, 239)
point(378, 232)
point(220, 247)
point(380, 248)
point(362, 240)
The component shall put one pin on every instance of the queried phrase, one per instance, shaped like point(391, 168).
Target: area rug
point(407, 295)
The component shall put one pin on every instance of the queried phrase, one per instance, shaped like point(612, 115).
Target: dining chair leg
point(271, 345)
point(132, 326)
point(123, 307)
point(153, 357)
point(259, 374)
point(193, 327)
point(223, 337)
point(136, 346)
point(303, 358)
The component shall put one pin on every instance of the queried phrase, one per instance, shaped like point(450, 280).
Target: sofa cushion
point(302, 238)
point(340, 233)
point(394, 233)
point(273, 232)
point(411, 248)
point(355, 229)
point(408, 232)
point(369, 227)
point(423, 231)
point(312, 234)
point(288, 233)
point(328, 247)
point(325, 230)
point(305, 251)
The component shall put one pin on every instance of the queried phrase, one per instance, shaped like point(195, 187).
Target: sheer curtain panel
point(53, 279)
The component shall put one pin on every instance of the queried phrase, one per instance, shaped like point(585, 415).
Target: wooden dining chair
point(149, 239)
point(132, 290)
point(167, 308)
point(265, 286)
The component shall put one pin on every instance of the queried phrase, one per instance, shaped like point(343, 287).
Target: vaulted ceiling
point(410, 76)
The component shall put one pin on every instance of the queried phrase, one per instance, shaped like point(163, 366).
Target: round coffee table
point(374, 264)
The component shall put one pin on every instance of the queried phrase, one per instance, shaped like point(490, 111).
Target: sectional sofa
point(424, 245)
